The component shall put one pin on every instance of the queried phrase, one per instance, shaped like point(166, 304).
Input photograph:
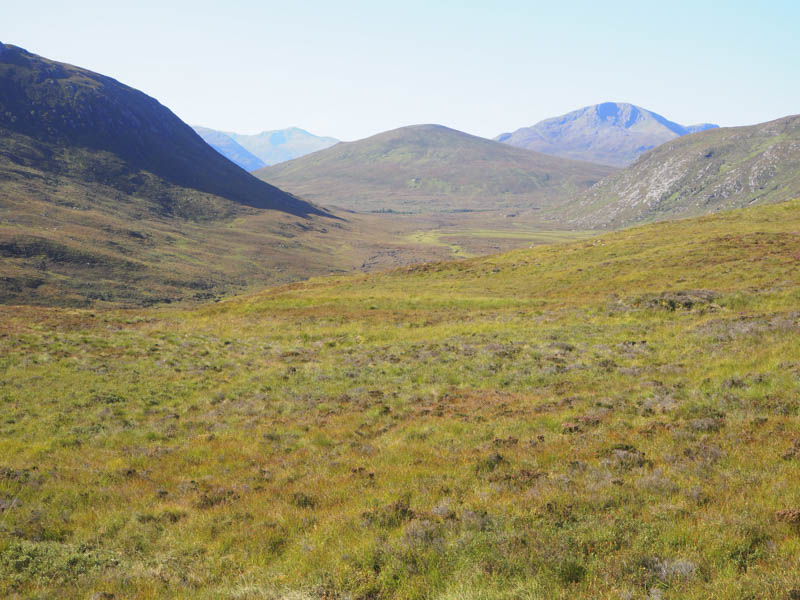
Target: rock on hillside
point(711, 171)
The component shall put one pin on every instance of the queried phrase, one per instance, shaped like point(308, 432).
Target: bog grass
point(616, 417)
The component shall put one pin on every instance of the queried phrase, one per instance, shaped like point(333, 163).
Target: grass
point(615, 417)
point(483, 240)
point(434, 238)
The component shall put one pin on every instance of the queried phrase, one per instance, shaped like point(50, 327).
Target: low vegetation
point(616, 417)
point(431, 168)
point(76, 243)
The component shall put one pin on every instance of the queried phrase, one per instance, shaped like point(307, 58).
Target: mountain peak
point(426, 127)
point(712, 170)
point(422, 130)
point(611, 133)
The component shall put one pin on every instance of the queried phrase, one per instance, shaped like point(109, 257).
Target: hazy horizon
point(357, 69)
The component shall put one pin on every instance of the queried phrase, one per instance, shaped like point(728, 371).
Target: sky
point(351, 69)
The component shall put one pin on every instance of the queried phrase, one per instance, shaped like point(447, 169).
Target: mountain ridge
point(60, 105)
point(107, 196)
point(611, 133)
point(271, 146)
point(230, 149)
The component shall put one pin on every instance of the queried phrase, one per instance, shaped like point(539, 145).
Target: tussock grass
point(611, 418)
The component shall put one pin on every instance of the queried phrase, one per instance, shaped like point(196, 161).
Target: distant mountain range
point(252, 152)
point(711, 171)
point(612, 133)
point(225, 145)
point(431, 168)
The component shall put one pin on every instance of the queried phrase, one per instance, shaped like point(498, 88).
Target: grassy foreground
point(611, 418)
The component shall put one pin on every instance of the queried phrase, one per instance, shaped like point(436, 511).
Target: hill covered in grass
point(105, 195)
point(70, 121)
point(612, 418)
point(430, 168)
point(611, 133)
point(707, 172)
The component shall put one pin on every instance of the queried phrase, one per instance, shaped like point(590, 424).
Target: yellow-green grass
point(454, 239)
point(615, 417)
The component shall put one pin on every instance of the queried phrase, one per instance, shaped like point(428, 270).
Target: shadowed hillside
point(94, 128)
point(105, 195)
point(430, 168)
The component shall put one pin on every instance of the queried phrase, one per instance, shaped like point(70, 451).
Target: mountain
point(612, 133)
point(106, 195)
point(429, 168)
point(119, 134)
point(226, 146)
point(270, 147)
point(707, 172)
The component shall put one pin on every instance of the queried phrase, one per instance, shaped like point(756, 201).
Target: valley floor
point(82, 244)
point(616, 417)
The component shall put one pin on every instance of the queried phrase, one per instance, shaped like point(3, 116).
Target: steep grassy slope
point(92, 127)
point(231, 150)
point(613, 418)
point(106, 195)
point(429, 168)
point(611, 133)
point(710, 171)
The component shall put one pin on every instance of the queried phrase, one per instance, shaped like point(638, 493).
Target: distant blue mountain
point(611, 133)
point(231, 150)
point(268, 147)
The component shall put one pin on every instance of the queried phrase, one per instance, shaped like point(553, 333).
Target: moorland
point(614, 417)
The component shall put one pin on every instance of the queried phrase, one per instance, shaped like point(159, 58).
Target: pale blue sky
point(351, 69)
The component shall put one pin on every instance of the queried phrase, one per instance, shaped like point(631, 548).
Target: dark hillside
point(65, 107)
